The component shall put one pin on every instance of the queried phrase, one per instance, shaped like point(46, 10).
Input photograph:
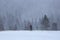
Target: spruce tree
point(45, 23)
point(54, 26)
point(1, 24)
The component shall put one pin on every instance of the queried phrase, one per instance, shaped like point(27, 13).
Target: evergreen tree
point(1, 24)
point(54, 26)
point(45, 23)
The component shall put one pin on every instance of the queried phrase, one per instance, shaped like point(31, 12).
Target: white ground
point(30, 35)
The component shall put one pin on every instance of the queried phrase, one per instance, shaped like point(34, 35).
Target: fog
point(29, 10)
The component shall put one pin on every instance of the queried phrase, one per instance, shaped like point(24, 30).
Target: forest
point(16, 24)
point(29, 14)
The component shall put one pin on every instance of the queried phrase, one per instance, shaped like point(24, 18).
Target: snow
point(29, 35)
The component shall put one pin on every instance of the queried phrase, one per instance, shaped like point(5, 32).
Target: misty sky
point(29, 9)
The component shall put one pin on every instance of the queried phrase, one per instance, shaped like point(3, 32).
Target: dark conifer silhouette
point(45, 22)
point(54, 26)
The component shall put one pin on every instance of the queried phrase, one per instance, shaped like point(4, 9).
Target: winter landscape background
point(29, 14)
point(30, 35)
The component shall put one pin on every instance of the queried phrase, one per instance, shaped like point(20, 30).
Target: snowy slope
point(30, 35)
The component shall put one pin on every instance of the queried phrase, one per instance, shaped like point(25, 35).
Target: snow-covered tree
point(10, 22)
point(17, 24)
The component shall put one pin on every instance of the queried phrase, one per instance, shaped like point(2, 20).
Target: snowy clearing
point(29, 35)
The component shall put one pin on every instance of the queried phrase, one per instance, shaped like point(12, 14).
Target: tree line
point(45, 25)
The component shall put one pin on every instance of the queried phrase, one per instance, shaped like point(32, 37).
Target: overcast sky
point(29, 9)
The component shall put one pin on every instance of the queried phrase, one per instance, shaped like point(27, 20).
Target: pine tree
point(45, 23)
point(1, 24)
point(54, 26)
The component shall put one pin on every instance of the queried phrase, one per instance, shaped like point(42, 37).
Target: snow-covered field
point(29, 35)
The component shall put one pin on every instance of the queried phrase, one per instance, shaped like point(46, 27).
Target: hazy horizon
point(29, 9)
